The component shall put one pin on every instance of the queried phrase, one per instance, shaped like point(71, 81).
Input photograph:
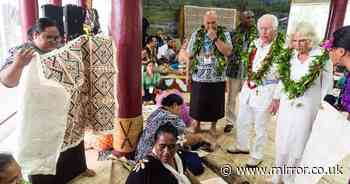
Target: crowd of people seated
point(159, 58)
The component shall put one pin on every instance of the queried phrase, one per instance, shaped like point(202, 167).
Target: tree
point(243, 4)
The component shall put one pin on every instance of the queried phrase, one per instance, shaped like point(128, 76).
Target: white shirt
point(260, 55)
point(261, 96)
point(162, 51)
point(165, 51)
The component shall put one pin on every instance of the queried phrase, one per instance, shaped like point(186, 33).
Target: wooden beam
point(337, 11)
point(29, 14)
point(83, 3)
point(126, 28)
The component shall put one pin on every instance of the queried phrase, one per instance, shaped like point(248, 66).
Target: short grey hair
point(272, 18)
point(307, 30)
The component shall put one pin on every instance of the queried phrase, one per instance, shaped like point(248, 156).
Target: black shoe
point(228, 128)
point(237, 151)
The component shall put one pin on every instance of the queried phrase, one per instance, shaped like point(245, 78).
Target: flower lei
point(198, 45)
point(270, 58)
point(293, 88)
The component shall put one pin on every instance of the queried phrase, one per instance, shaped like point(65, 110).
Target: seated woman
point(185, 109)
point(167, 113)
point(150, 81)
point(10, 171)
point(163, 165)
point(144, 58)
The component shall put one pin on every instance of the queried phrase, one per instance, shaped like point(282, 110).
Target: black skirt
point(207, 101)
point(71, 163)
point(149, 96)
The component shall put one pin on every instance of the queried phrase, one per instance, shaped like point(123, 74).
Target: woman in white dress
point(298, 112)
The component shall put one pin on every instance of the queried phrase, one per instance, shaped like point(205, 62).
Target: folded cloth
point(327, 146)
point(63, 93)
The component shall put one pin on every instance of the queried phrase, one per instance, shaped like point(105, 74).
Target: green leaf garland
point(293, 88)
point(198, 45)
point(259, 76)
point(239, 36)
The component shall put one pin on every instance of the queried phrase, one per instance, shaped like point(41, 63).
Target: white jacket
point(261, 96)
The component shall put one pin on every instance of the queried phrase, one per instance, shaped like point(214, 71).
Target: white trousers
point(285, 161)
point(246, 116)
point(233, 88)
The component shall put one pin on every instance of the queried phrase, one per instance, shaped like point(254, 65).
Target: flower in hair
point(328, 44)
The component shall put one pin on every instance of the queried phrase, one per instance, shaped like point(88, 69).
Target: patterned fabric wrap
point(85, 68)
point(158, 118)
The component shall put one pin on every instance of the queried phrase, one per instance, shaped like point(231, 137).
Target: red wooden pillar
point(337, 11)
point(126, 32)
point(83, 3)
point(29, 14)
point(56, 2)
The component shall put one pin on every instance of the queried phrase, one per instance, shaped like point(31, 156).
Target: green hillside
point(163, 13)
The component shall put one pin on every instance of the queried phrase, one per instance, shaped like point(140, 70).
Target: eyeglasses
point(51, 38)
point(301, 41)
point(265, 29)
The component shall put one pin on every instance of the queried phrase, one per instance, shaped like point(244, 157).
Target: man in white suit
point(256, 101)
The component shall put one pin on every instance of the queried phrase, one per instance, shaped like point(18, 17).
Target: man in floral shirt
point(208, 49)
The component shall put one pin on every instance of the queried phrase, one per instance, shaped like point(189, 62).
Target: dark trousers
point(71, 163)
point(149, 96)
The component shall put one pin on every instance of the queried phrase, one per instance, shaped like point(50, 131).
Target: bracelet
point(215, 39)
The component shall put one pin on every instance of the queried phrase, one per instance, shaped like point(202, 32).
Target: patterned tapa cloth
point(86, 70)
point(65, 92)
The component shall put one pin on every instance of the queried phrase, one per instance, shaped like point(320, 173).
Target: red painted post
point(126, 32)
point(337, 11)
point(56, 2)
point(29, 14)
point(83, 3)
